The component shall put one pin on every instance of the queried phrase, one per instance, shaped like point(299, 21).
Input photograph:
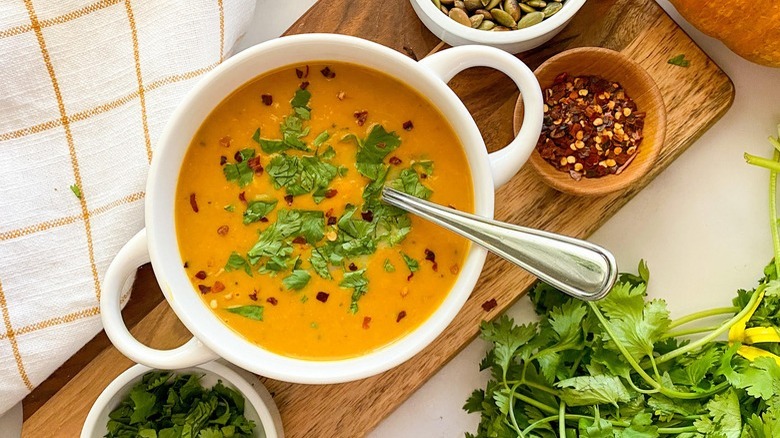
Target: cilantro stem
point(688, 332)
point(562, 419)
point(676, 430)
point(701, 315)
point(714, 334)
point(534, 385)
point(766, 163)
point(773, 206)
point(542, 407)
point(512, 394)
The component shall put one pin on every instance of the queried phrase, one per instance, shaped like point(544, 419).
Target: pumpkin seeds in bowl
point(499, 15)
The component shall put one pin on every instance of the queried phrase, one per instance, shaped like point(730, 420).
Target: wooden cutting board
point(695, 97)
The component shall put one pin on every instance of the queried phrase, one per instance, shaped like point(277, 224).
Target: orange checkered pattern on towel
point(85, 90)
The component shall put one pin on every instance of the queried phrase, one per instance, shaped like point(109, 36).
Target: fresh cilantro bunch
point(164, 405)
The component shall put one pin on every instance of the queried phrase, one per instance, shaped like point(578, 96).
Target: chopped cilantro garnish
point(301, 175)
point(680, 61)
point(240, 171)
point(423, 166)
point(291, 129)
point(256, 210)
point(236, 262)
point(409, 182)
point(76, 190)
point(389, 266)
point(297, 280)
point(358, 282)
point(230, 208)
point(320, 264)
point(251, 311)
point(411, 263)
point(321, 138)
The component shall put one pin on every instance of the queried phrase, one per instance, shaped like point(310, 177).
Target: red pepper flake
point(238, 157)
point(367, 322)
point(254, 164)
point(288, 199)
point(361, 117)
point(223, 230)
point(222, 160)
point(204, 289)
point(329, 213)
point(328, 73)
point(408, 125)
point(300, 240)
point(332, 220)
point(272, 301)
point(353, 267)
point(193, 203)
point(322, 296)
point(341, 95)
point(395, 161)
point(201, 275)
point(218, 287)
point(302, 73)
point(268, 100)
point(186, 265)
point(409, 277)
point(431, 256)
point(225, 141)
point(242, 197)
point(331, 193)
point(253, 295)
point(401, 315)
point(489, 305)
point(263, 219)
point(367, 215)
point(304, 85)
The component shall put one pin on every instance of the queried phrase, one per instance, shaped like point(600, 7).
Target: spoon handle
point(576, 267)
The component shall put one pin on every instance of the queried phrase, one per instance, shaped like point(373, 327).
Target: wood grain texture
point(695, 98)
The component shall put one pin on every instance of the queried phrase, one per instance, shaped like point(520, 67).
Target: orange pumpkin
point(750, 28)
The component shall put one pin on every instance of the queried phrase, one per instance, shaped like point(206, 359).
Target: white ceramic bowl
point(158, 242)
point(514, 41)
point(259, 406)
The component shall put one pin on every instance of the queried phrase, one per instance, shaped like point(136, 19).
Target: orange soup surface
point(279, 221)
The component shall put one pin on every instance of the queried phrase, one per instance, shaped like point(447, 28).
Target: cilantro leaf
point(236, 262)
point(389, 266)
point(300, 99)
point(297, 280)
point(320, 264)
point(593, 390)
point(143, 405)
point(679, 61)
point(423, 166)
point(321, 138)
point(240, 172)
point(256, 210)
point(301, 175)
point(411, 263)
point(76, 190)
point(409, 182)
point(376, 146)
point(358, 282)
point(252, 311)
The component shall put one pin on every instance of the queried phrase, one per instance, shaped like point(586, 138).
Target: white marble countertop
point(702, 225)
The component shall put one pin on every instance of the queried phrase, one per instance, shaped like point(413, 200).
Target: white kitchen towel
point(86, 87)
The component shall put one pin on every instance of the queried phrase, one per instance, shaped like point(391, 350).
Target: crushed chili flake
point(341, 95)
point(204, 289)
point(254, 164)
point(193, 202)
point(401, 315)
point(408, 125)
point(223, 230)
point(288, 199)
point(332, 220)
point(242, 197)
point(367, 322)
point(253, 295)
point(431, 256)
point(409, 277)
point(367, 215)
point(591, 127)
point(238, 157)
point(328, 73)
point(218, 287)
point(489, 305)
point(225, 141)
point(268, 100)
point(302, 73)
point(423, 176)
point(304, 85)
point(331, 193)
point(264, 219)
point(395, 161)
point(222, 160)
point(353, 267)
point(186, 265)
point(322, 296)
point(361, 117)
point(201, 275)
point(272, 301)
point(300, 240)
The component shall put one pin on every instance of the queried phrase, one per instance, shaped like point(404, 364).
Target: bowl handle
point(134, 254)
point(504, 163)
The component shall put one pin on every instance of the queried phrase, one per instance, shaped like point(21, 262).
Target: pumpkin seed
point(512, 8)
point(536, 3)
point(472, 5)
point(530, 19)
point(485, 14)
point(460, 16)
point(492, 4)
point(476, 20)
point(447, 2)
point(437, 3)
point(486, 25)
point(551, 9)
point(459, 4)
point(503, 18)
point(445, 10)
point(500, 29)
point(527, 9)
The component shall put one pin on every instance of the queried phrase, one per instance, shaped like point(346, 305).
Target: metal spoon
point(578, 268)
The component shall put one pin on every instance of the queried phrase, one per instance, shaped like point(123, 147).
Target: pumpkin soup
point(279, 221)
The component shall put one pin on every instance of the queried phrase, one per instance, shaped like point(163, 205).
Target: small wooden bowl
point(613, 66)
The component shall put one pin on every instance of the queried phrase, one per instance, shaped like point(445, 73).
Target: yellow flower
point(757, 335)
